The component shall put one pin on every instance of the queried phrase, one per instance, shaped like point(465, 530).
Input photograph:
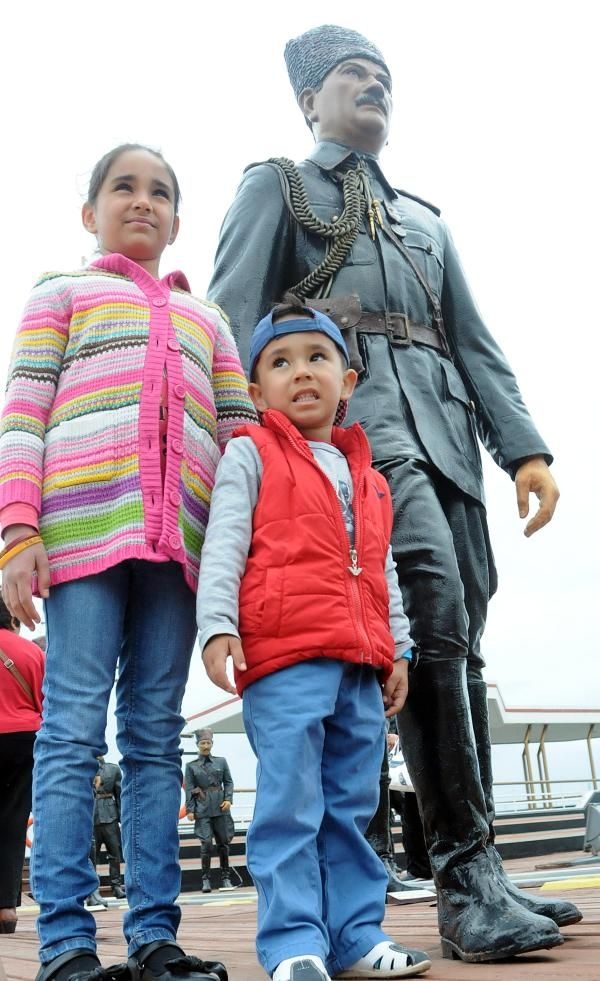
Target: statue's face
point(204, 747)
point(353, 105)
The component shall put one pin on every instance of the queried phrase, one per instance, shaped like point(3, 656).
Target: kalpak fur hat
point(312, 55)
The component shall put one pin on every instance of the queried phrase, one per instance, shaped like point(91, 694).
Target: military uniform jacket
point(214, 780)
point(413, 401)
point(107, 809)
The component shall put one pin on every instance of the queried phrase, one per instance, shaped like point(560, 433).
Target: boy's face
point(304, 376)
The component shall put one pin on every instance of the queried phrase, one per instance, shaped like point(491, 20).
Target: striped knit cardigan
point(79, 435)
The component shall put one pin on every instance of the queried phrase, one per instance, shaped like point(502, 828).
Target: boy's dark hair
point(290, 304)
point(105, 163)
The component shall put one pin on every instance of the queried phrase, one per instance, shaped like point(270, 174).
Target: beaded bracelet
point(17, 546)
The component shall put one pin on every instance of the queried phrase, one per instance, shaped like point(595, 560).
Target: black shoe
point(95, 901)
point(206, 886)
point(165, 961)
point(395, 883)
point(81, 965)
point(118, 892)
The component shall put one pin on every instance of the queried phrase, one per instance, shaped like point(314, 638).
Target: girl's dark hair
point(6, 620)
point(105, 163)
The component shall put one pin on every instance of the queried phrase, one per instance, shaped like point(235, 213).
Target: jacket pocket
point(260, 606)
point(76, 456)
point(427, 255)
point(362, 252)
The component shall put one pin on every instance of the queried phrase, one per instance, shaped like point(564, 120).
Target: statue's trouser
point(109, 835)
point(445, 568)
point(218, 829)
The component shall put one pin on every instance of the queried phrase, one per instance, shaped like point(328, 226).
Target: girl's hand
point(215, 655)
point(17, 575)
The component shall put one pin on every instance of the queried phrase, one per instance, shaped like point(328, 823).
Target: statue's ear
point(306, 101)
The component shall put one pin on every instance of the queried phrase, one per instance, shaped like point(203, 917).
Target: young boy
point(299, 588)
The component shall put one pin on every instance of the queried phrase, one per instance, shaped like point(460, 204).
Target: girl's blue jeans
point(317, 729)
point(135, 620)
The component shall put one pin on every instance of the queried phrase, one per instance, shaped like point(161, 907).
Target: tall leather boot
point(226, 882)
point(206, 886)
point(379, 834)
point(478, 920)
point(563, 913)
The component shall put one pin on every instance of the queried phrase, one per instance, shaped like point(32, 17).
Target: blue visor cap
point(266, 331)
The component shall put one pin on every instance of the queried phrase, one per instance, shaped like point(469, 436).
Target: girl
point(122, 393)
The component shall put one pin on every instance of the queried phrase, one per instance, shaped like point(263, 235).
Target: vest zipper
point(355, 571)
point(353, 568)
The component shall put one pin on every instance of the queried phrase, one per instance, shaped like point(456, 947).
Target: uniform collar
point(329, 155)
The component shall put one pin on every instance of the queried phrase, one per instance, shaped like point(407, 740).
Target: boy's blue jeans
point(317, 729)
point(140, 617)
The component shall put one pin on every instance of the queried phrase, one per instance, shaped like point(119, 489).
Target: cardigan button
point(180, 391)
point(172, 344)
point(177, 446)
point(175, 498)
point(175, 541)
point(159, 301)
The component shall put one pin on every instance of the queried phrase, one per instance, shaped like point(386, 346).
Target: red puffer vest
point(305, 593)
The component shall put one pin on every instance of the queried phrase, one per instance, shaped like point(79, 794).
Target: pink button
point(175, 498)
point(175, 541)
point(172, 344)
point(159, 301)
point(180, 391)
point(177, 446)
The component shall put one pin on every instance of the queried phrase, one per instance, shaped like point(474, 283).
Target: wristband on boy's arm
point(406, 655)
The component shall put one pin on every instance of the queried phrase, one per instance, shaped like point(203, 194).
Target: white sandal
point(308, 967)
point(388, 960)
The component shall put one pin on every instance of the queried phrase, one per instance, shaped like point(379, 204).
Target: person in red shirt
point(21, 675)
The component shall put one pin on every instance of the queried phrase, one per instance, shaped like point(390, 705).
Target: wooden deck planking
point(223, 925)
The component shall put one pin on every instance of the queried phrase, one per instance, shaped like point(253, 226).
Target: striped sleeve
point(31, 388)
point(233, 404)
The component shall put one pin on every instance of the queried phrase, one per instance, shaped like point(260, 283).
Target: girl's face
point(134, 212)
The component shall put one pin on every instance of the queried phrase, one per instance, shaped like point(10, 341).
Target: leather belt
point(105, 796)
point(399, 329)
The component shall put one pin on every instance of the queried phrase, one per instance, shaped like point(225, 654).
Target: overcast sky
point(495, 121)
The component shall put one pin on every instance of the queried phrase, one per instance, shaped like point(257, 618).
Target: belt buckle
point(402, 337)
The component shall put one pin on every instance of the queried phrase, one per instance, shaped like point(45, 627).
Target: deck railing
point(509, 795)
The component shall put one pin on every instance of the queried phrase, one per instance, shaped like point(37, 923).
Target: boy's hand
point(395, 689)
point(215, 655)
